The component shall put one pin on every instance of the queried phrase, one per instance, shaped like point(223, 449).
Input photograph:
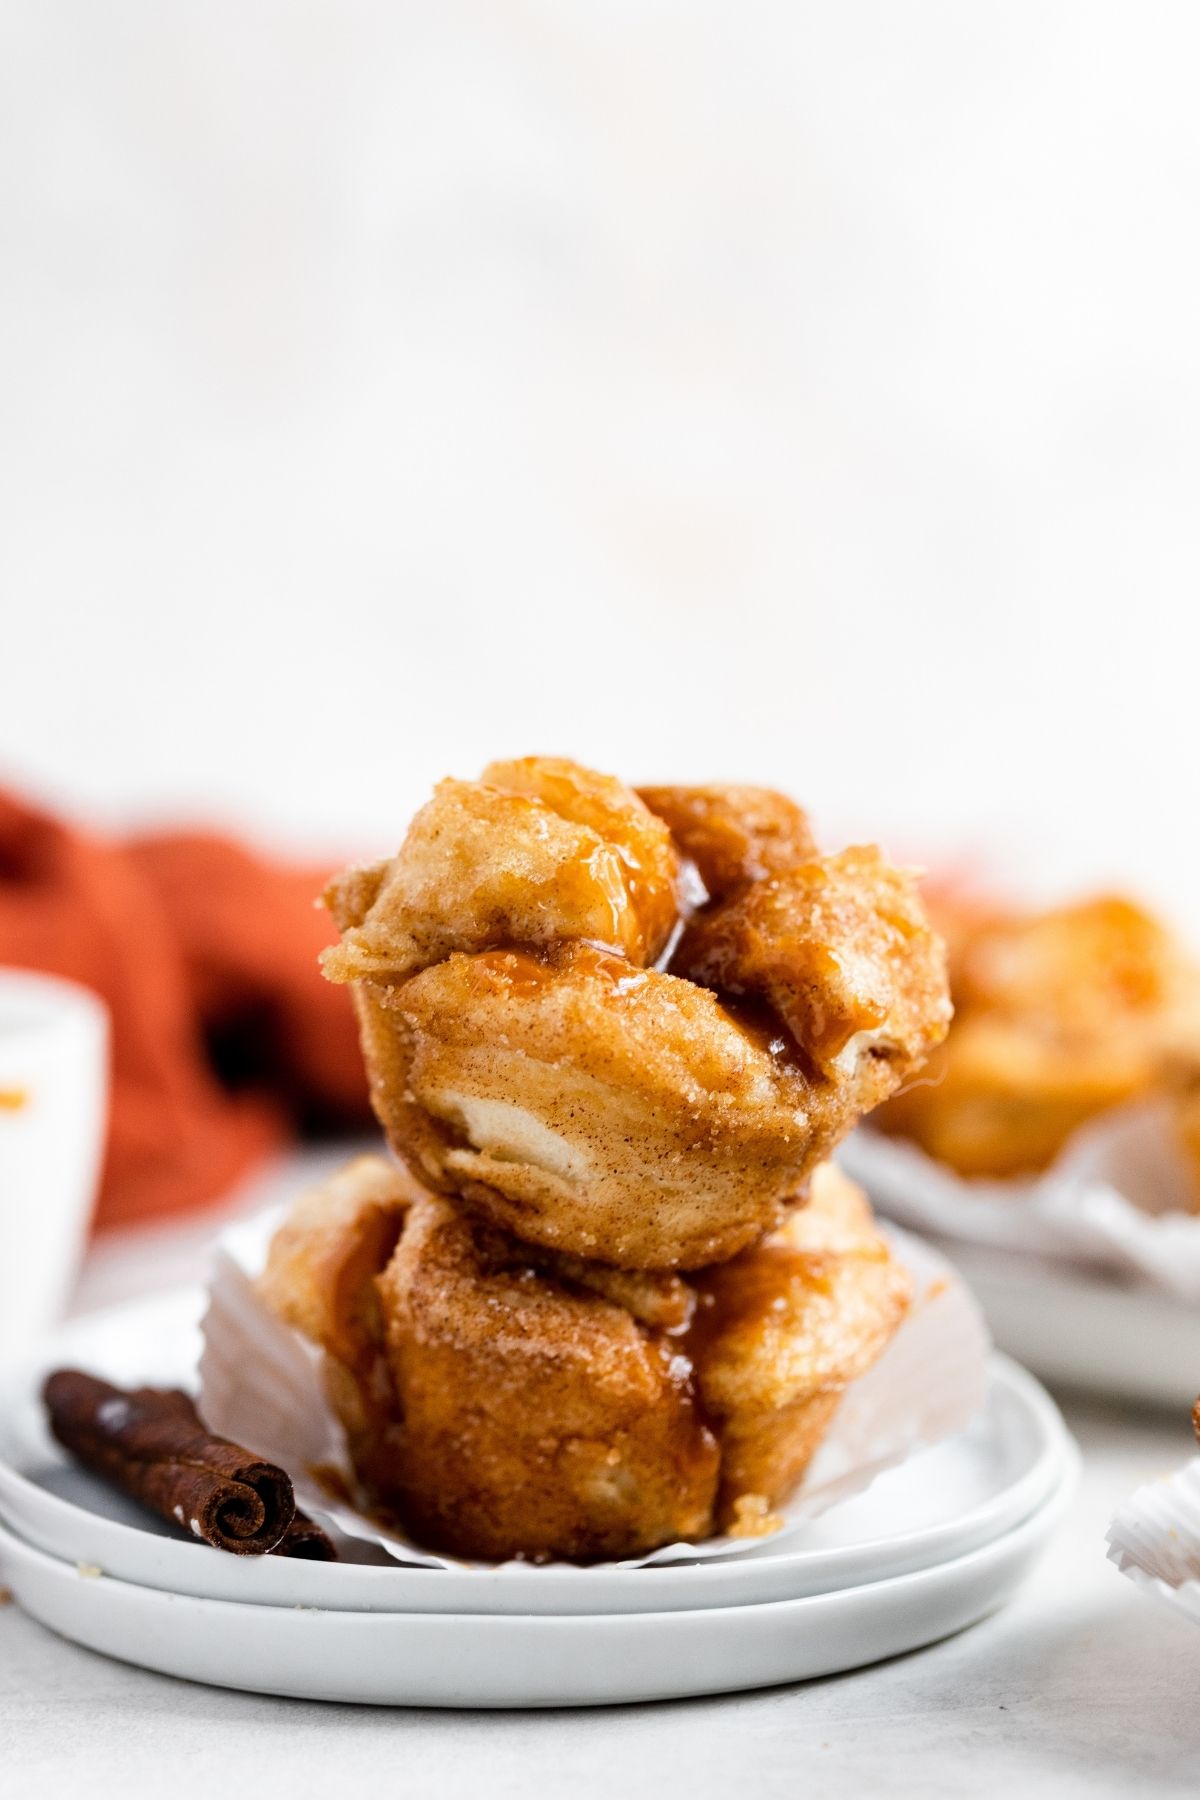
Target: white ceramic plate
point(1086, 1332)
point(941, 1504)
point(454, 1659)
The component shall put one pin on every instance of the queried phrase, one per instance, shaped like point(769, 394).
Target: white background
point(799, 392)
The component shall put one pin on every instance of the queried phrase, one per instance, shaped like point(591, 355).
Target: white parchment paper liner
point(261, 1386)
point(1155, 1539)
point(1116, 1199)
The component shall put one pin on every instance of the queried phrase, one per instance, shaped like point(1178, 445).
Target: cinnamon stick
point(305, 1539)
point(150, 1443)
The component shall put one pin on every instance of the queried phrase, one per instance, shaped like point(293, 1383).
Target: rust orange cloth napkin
point(224, 1035)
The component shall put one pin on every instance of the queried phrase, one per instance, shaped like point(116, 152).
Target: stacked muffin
point(613, 1295)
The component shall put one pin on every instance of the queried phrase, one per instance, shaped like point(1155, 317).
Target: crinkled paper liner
point(261, 1386)
point(1116, 1200)
point(1155, 1539)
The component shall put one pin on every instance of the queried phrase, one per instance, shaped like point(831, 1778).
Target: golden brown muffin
point(523, 1057)
point(501, 1401)
point(1058, 1017)
point(495, 1404)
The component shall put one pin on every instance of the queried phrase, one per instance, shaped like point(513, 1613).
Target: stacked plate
point(931, 1547)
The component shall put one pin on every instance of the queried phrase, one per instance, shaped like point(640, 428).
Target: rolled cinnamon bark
point(305, 1539)
point(150, 1443)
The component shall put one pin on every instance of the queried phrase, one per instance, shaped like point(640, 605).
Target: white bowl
point(53, 1105)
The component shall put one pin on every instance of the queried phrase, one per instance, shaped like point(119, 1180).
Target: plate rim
point(1043, 1518)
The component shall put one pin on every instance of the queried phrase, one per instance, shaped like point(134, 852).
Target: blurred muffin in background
point(1059, 1016)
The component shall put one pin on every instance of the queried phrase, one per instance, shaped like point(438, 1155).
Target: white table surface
point(1079, 1687)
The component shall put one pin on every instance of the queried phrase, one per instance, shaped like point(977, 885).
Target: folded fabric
point(224, 1036)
